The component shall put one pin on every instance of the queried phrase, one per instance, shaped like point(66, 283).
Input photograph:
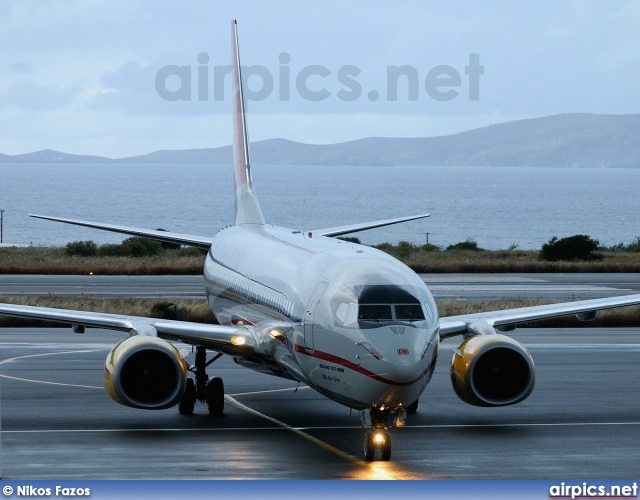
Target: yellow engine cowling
point(492, 370)
point(145, 372)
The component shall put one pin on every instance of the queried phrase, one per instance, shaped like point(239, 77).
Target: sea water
point(497, 207)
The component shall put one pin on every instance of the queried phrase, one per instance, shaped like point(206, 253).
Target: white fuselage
point(304, 298)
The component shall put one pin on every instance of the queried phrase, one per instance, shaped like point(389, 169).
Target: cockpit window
point(375, 312)
point(347, 313)
point(387, 312)
point(409, 312)
point(373, 306)
point(341, 311)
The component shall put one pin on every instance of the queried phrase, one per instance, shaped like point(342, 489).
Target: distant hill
point(568, 140)
point(51, 156)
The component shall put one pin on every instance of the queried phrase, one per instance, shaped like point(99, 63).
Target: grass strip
point(53, 260)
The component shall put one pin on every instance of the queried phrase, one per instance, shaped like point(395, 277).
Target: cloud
point(31, 96)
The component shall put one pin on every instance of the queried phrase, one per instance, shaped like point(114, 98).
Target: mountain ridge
point(565, 140)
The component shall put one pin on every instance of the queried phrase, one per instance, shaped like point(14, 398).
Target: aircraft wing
point(478, 323)
point(235, 341)
point(354, 228)
point(166, 236)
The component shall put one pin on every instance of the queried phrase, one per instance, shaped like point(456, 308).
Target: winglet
point(247, 207)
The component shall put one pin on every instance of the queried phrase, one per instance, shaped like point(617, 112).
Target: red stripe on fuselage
point(325, 356)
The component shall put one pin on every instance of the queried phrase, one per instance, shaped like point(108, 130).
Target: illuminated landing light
point(237, 340)
point(379, 438)
point(275, 334)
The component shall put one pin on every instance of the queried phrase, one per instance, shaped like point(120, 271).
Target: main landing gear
point(379, 419)
point(204, 389)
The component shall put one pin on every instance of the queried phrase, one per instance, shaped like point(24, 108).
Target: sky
point(129, 77)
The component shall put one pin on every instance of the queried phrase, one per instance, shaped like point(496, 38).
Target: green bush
point(385, 247)
point(166, 245)
point(113, 250)
point(573, 248)
point(350, 239)
point(465, 245)
point(151, 247)
point(135, 248)
point(630, 247)
point(404, 249)
point(81, 248)
point(430, 247)
point(169, 310)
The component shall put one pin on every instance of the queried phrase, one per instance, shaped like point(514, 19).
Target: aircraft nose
point(409, 371)
point(406, 358)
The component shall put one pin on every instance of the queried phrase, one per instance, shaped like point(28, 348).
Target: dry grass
point(52, 260)
point(515, 261)
point(621, 317)
point(198, 310)
point(188, 310)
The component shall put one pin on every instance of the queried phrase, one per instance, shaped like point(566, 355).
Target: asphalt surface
point(444, 286)
point(34, 285)
point(582, 420)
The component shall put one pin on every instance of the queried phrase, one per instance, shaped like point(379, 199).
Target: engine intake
point(492, 370)
point(145, 372)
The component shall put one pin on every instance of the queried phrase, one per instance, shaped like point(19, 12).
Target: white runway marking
point(4, 361)
point(379, 474)
point(285, 427)
point(50, 383)
point(160, 429)
point(292, 389)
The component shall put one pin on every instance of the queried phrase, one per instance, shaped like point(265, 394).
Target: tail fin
point(247, 207)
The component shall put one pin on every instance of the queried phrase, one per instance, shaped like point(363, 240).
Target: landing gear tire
point(382, 443)
point(413, 407)
point(188, 401)
point(369, 446)
point(215, 396)
point(386, 448)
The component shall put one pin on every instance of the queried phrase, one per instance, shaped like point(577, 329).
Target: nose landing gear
point(205, 390)
point(377, 441)
point(379, 419)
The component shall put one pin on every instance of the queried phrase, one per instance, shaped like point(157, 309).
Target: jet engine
point(145, 372)
point(492, 370)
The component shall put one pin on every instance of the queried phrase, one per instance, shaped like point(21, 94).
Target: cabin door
point(310, 314)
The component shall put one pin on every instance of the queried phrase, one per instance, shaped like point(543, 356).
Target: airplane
point(347, 320)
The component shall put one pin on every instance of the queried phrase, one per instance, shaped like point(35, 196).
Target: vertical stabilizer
point(247, 208)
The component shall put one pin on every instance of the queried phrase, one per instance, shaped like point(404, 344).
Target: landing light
point(379, 438)
point(237, 340)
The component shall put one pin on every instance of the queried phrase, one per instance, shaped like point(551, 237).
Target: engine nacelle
point(145, 372)
point(492, 370)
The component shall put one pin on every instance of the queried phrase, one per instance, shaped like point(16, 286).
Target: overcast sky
point(112, 78)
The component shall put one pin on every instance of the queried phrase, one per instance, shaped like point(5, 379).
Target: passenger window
point(375, 312)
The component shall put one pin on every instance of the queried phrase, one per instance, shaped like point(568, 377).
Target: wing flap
point(354, 228)
point(457, 325)
point(182, 239)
